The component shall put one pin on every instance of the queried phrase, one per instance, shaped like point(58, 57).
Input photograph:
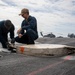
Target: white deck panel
point(44, 46)
point(44, 49)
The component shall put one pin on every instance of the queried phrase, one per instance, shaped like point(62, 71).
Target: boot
point(11, 47)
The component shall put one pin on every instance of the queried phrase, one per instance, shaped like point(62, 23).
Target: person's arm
point(12, 32)
point(19, 31)
point(31, 25)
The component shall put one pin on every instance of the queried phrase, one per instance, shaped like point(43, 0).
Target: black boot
point(11, 47)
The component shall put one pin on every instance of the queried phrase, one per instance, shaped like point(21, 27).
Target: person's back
point(5, 27)
point(3, 30)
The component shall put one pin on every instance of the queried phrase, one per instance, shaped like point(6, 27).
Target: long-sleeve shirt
point(4, 31)
point(30, 23)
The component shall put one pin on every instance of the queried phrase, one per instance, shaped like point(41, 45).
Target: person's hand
point(20, 35)
point(19, 31)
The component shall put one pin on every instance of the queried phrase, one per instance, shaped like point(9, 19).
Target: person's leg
point(23, 39)
point(27, 38)
point(31, 36)
point(3, 42)
point(4, 45)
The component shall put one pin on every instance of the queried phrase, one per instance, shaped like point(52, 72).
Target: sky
point(56, 16)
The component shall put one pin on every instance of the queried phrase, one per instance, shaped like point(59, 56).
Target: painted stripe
point(49, 66)
point(45, 68)
point(67, 57)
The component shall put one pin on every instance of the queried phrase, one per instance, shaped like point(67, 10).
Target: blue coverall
point(31, 34)
point(4, 34)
